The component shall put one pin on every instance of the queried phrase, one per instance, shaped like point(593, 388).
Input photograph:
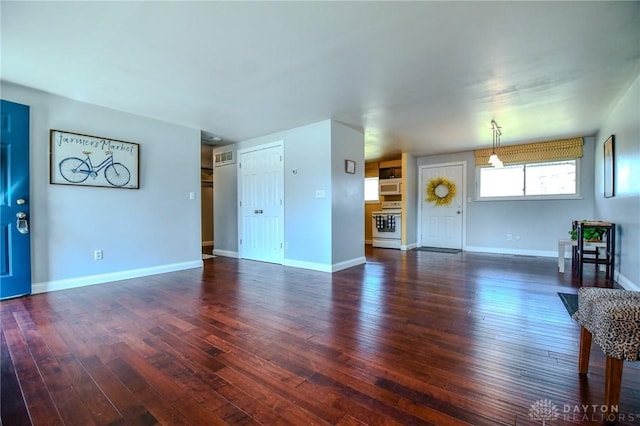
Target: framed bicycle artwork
point(86, 160)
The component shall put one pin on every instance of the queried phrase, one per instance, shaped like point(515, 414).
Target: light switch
point(192, 195)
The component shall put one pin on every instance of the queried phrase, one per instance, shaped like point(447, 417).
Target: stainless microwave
point(390, 186)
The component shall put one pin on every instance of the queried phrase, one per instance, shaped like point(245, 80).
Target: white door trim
point(260, 147)
point(240, 152)
point(464, 199)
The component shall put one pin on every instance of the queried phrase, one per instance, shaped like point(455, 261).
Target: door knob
point(21, 201)
point(22, 224)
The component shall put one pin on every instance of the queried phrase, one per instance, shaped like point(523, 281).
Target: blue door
point(15, 248)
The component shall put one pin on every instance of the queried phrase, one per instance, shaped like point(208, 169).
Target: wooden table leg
point(612, 383)
point(585, 350)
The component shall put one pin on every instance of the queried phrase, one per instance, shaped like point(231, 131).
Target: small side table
point(562, 243)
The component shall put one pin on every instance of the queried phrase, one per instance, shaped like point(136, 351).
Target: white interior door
point(260, 191)
point(441, 225)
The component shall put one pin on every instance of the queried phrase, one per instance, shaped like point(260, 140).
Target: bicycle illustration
point(76, 170)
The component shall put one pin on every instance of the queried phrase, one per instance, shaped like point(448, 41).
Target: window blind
point(564, 149)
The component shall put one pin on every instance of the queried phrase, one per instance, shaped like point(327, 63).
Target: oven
point(387, 226)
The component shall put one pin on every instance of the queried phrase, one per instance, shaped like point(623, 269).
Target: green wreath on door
point(441, 191)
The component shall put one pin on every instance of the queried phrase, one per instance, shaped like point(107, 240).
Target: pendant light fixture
point(494, 160)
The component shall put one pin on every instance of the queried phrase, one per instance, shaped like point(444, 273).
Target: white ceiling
point(420, 77)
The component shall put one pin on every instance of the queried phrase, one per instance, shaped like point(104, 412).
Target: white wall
point(347, 211)
point(539, 223)
point(624, 208)
point(412, 195)
point(150, 230)
point(307, 225)
point(308, 219)
point(225, 215)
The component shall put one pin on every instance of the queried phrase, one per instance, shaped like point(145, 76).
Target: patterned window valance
point(565, 149)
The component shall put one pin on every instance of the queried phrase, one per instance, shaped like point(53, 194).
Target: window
point(557, 179)
point(371, 189)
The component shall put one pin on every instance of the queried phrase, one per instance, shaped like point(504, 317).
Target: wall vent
point(224, 158)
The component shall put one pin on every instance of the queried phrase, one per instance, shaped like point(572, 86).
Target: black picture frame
point(350, 166)
point(609, 164)
point(87, 160)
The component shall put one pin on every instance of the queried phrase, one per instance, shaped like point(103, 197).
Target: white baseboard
point(325, 267)
point(519, 252)
point(625, 282)
point(348, 264)
point(314, 266)
point(408, 247)
point(48, 286)
point(225, 253)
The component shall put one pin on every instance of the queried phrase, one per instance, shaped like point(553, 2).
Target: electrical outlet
point(97, 255)
point(509, 237)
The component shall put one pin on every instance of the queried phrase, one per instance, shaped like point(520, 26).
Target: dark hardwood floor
point(409, 338)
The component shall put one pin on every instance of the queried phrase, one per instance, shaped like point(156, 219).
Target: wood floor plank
point(12, 406)
point(184, 350)
point(89, 392)
point(39, 402)
point(160, 409)
point(151, 375)
point(125, 402)
point(196, 413)
point(259, 412)
point(72, 411)
point(408, 338)
point(286, 409)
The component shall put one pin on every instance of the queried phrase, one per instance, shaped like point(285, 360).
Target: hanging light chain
point(494, 160)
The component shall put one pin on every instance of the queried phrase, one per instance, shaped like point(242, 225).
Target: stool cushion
point(613, 318)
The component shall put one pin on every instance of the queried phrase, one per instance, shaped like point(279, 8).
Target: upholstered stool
point(612, 318)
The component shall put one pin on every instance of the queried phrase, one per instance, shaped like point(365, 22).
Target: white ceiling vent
point(224, 158)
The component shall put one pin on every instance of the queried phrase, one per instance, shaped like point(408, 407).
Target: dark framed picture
point(350, 166)
point(609, 164)
point(86, 160)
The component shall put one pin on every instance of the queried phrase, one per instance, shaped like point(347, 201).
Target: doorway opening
point(208, 142)
point(206, 197)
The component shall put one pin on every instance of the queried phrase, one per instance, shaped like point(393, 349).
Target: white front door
point(261, 195)
point(441, 225)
